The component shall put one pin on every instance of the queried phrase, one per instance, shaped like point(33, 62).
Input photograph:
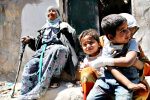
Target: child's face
point(123, 35)
point(90, 46)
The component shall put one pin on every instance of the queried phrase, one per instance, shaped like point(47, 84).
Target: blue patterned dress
point(53, 62)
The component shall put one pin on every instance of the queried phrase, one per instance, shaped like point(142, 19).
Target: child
point(89, 40)
point(116, 29)
point(133, 27)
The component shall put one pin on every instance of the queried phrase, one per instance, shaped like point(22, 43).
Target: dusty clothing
point(52, 65)
point(56, 52)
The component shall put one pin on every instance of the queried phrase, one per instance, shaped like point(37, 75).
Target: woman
point(52, 53)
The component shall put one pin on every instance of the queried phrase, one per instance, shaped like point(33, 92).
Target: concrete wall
point(141, 11)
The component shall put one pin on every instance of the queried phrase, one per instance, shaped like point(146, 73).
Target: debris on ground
point(6, 90)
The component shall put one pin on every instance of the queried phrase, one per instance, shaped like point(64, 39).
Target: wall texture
point(141, 11)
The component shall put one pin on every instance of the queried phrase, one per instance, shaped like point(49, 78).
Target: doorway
point(84, 14)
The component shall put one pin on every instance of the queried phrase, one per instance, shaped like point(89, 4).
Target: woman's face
point(52, 14)
point(90, 46)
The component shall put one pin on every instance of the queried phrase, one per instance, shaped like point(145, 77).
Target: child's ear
point(110, 37)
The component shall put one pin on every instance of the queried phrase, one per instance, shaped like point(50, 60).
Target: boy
point(116, 29)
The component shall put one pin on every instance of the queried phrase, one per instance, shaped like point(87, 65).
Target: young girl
point(89, 40)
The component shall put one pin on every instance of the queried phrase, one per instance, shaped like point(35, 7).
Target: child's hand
point(133, 86)
point(102, 61)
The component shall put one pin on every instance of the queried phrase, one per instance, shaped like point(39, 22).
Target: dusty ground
point(6, 90)
point(66, 90)
point(6, 86)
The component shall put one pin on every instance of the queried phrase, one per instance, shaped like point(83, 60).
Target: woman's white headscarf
point(52, 23)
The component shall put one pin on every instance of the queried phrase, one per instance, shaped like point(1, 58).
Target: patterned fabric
point(49, 60)
point(52, 65)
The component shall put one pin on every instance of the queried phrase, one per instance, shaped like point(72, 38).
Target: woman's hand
point(25, 39)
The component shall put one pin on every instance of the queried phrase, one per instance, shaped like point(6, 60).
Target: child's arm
point(126, 61)
point(122, 79)
point(138, 64)
point(131, 59)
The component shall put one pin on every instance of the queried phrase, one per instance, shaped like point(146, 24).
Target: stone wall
point(10, 32)
point(141, 11)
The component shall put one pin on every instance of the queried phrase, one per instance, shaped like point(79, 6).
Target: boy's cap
point(130, 19)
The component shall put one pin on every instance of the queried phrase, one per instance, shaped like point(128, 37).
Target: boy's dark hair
point(110, 23)
point(92, 32)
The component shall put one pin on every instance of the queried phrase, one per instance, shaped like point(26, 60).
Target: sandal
point(54, 85)
point(55, 82)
